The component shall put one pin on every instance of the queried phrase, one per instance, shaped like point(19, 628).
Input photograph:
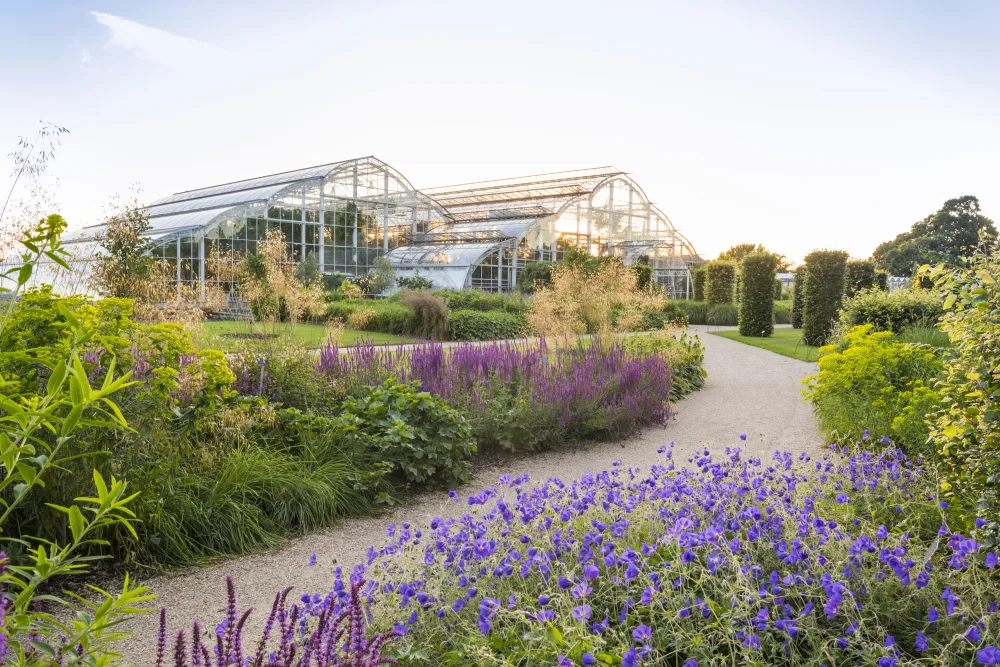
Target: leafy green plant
point(966, 429)
point(823, 294)
point(720, 279)
point(756, 317)
point(873, 383)
point(414, 282)
point(37, 437)
point(534, 275)
point(423, 439)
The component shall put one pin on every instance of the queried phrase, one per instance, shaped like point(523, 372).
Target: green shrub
point(534, 274)
point(383, 316)
point(859, 275)
point(778, 289)
point(484, 301)
point(719, 282)
point(430, 314)
point(488, 325)
point(873, 382)
point(823, 294)
point(643, 275)
point(893, 311)
point(797, 289)
point(756, 314)
point(414, 282)
point(966, 430)
point(698, 274)
point(684, 354)
point(423, 439)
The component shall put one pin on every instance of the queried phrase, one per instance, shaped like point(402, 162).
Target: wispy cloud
point(153, 44)
point(85, 58)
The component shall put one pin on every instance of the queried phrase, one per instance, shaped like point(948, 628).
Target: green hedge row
point(389, 317)
point(486, 325)
point(823, 294)
point(756, 316)
point(482, 301)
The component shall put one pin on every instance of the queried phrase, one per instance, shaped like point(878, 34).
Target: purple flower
point(991, 559)
point(629, 659)
point(642, 634)
point(582, 613)
point(921, 642)
point(312, 560)
point(988, 656)
point(973, 635)
point(588, 660)
point(932, 614)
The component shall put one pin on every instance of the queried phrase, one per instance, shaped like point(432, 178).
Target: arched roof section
point(204, 208)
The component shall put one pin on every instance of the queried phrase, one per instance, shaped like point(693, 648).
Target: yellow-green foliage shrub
point(871, 382)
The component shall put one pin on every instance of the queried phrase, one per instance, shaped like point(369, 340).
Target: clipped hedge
point(482, 301)
point(720, 282)
point(756, 316)
point(797, 286)
point(892, 312)
point(382, 316)
point(823, 294)
point(778, 287)
point(698, 275)
point(486, 325)
point(859, 275)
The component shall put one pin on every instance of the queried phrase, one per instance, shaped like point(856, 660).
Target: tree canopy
point(737, 252)
point(943, 237)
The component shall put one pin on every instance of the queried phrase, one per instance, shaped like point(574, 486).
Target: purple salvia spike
point(180, 655)
point(161, 638)
point(220, 657)
point(196, 645)
point(238, 638)
point(230, 618)
point(278, 598)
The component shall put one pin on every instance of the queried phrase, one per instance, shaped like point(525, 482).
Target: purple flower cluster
point(714, 560)
point(559, 388)
point(336, 636)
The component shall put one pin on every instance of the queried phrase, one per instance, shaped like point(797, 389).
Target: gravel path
point(748, 390)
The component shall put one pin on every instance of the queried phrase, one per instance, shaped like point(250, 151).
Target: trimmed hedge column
point(859, 275)
point(823, 294)
point(699, 282)
point(719, 280)
point(757, 295)
point(800, 281)
point(797, 287)
point(778, 287)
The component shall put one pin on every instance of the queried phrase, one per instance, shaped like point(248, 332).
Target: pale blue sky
point(798, 125)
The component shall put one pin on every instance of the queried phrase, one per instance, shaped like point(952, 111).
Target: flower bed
point(789, 562)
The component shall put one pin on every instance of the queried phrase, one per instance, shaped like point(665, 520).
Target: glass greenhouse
point(471, 236)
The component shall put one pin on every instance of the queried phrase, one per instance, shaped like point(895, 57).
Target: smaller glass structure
point(539, 219)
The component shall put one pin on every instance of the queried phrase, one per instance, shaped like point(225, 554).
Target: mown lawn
point(313, 335)
point(786, 341)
